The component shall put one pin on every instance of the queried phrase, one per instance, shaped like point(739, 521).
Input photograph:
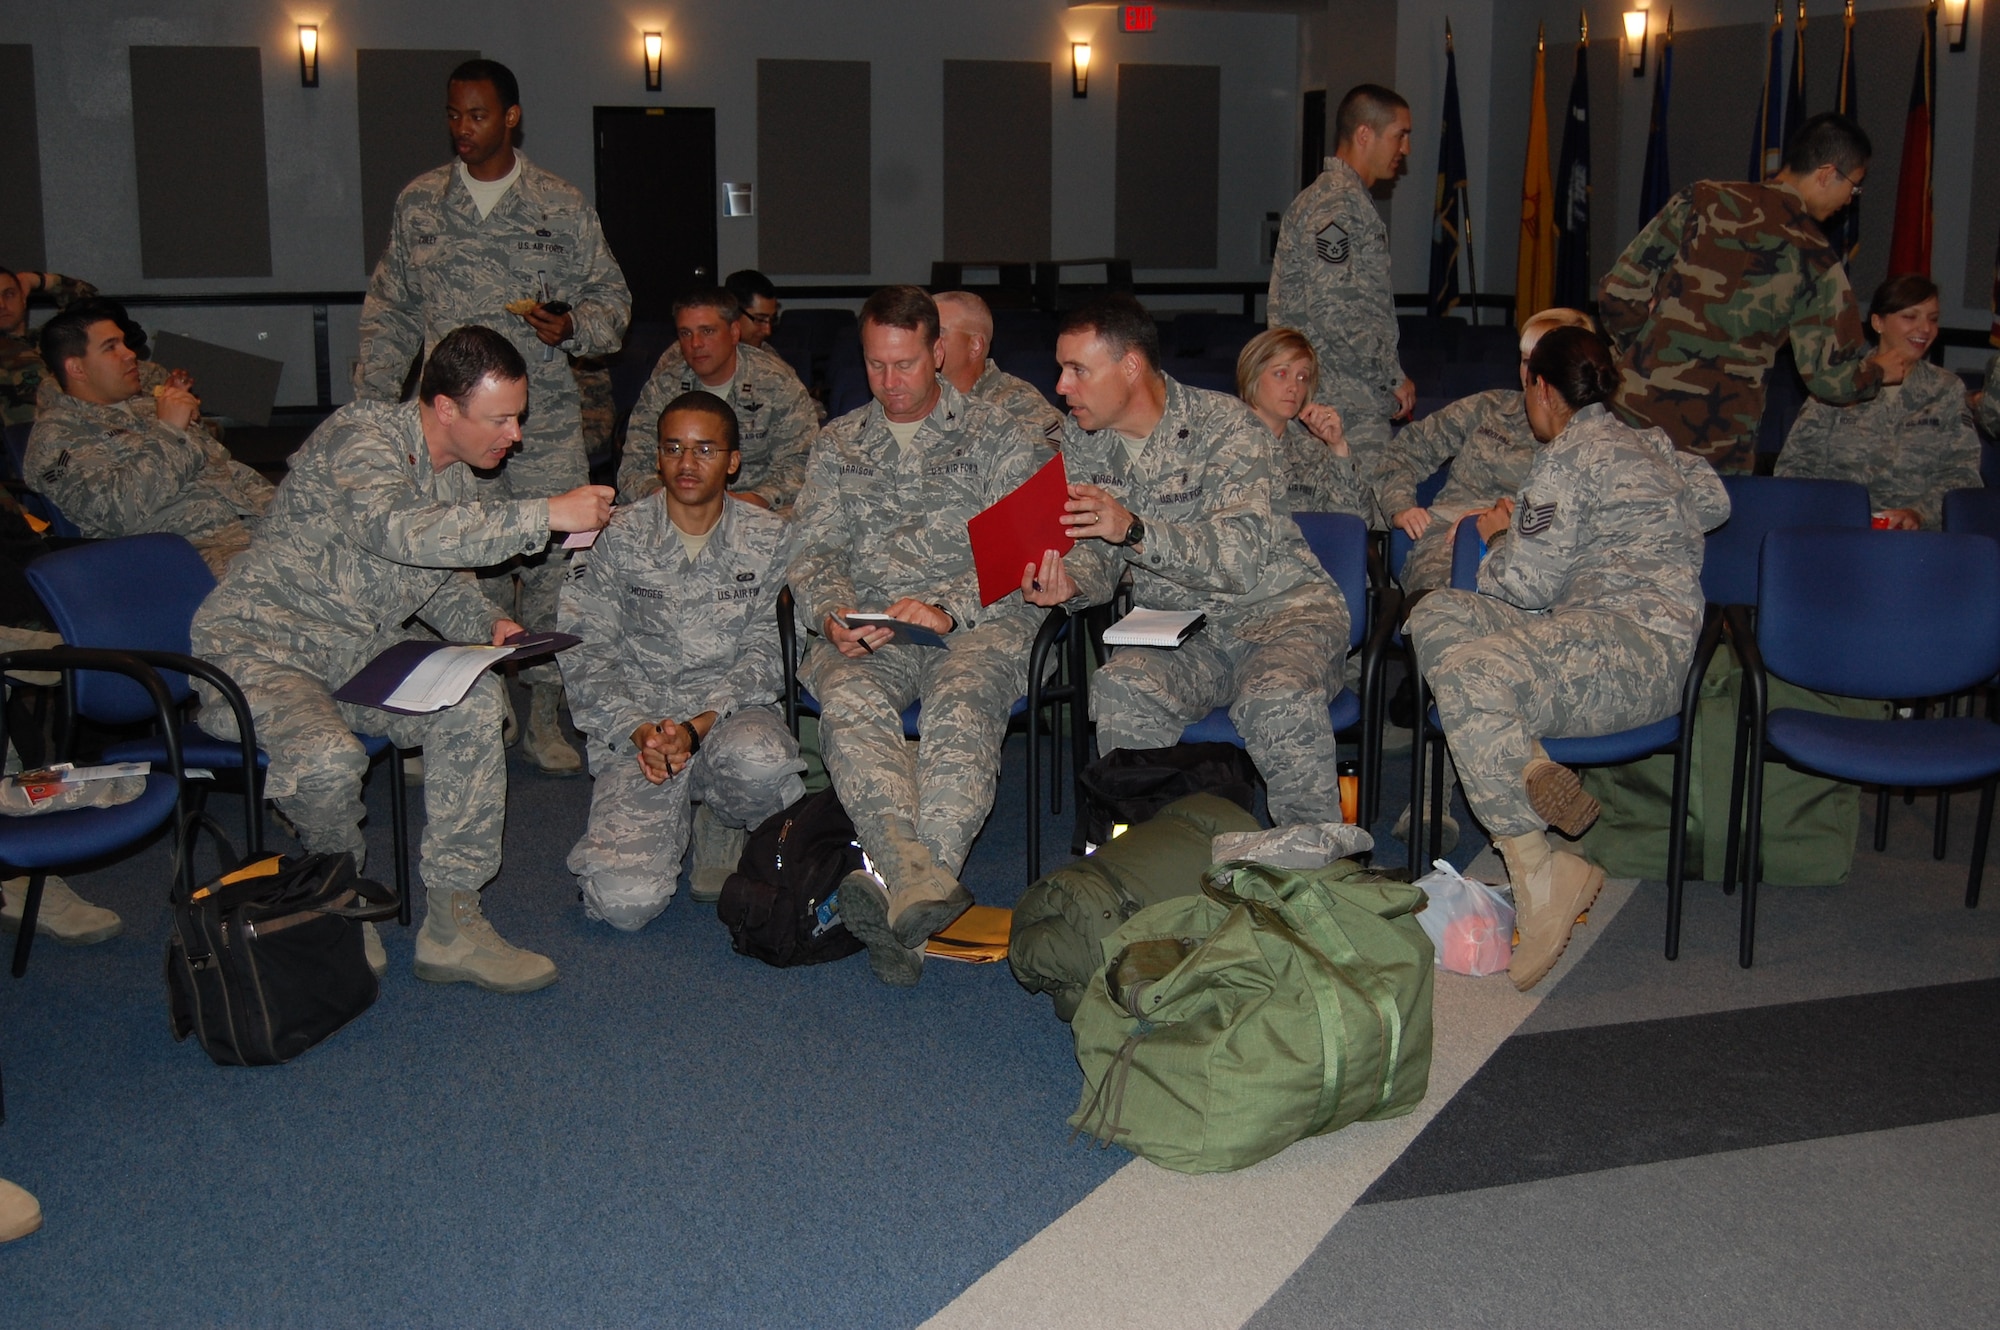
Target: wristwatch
point(1133, 534)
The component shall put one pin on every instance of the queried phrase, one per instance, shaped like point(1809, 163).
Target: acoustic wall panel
point(21, 245)
point(813, 167)
point(996, 159)
point(198, 140)
point(1984, 216)
point(400, 97)
point(1168, 164)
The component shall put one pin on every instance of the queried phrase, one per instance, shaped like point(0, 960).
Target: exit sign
point(1135, 18)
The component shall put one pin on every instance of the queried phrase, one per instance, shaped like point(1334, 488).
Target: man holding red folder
point(1179, 486)
point(881, 527)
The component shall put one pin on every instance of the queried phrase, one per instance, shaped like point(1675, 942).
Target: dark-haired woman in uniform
point(1584, 623)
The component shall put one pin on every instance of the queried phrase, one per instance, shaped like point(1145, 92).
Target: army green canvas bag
point(1061, 919)
point(1276, 1005)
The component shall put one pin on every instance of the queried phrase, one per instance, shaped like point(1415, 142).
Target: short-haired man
point(967, 337)
point(1728, 272)
point(1486, 439)
point(675, 680)
point(881, 527)
point(773, 412)
point(1330, 276)
point(475, 242)
point(21, 368)
point(757, 306)
point(121, 462)
point(1179, 487)
point(374, 526)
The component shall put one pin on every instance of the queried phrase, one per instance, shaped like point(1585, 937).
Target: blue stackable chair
point(1670, 734)
point(1881, 615)
point(846, 389)
point(1340, 542)
point(1036, 366)
point(38, 844)
point(139, 594)
point(1043, 695)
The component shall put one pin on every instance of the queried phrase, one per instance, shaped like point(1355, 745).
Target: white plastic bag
point(1470, 924)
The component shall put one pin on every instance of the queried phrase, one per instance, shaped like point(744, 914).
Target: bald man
point(966, 333)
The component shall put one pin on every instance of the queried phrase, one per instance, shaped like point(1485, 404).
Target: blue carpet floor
point(672, 1134)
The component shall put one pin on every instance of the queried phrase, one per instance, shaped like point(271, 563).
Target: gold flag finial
point(1539, 35)
point(1582, 28)
point(1802, 15)
point(1777, 13)
point(1447, 34)
point(1670, 23)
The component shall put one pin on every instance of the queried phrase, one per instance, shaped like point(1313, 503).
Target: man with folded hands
point(882, 527)
point(1179, 487)
point(675, 681)
point(378, 523)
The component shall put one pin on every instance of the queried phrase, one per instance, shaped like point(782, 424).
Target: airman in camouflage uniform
point(1706, 293)
point(1486, 439)
point(448, 265)
point(1330, 274)
point(1218, 538)
point(773, 411)
point(21, 368)
point(1908, 445)
point(669, 636)
point(117, 467)
point(366, 534)
point(967, 336)
point(882, 524)
point(1587, 609)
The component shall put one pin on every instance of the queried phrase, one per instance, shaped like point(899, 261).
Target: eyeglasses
point(766, 321)
point(1852, 184)
point(707, 452)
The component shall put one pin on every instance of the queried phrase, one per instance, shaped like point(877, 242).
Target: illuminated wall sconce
point(1635, 40)
point(308, 55)
point(1954, 22)
point(653, 44)
point(1079, 68)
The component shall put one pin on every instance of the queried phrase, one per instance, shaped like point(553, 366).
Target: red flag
point(1910, 241)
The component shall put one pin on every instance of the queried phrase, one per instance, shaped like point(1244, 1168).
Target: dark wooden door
point(658, 198)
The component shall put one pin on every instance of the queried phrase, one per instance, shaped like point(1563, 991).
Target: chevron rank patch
point(1535, 518)
point(1331, 243)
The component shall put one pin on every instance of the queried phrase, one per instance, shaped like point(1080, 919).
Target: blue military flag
point(1451, 215)
point(1573, 284)
point(1844, 228)
point(1767, 142)
point(1654, 191)
point(1795, 96)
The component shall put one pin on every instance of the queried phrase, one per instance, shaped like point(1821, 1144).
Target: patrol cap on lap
point(464, 359)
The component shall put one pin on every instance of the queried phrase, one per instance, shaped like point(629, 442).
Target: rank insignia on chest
point(1331, 243)
point(1535, 518)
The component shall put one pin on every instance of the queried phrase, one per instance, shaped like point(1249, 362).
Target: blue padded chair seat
point(1949, 750)
point(1217, 728)
point(1605, 749)
point(53, 840)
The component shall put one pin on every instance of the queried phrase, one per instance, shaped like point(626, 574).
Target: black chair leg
point(31, 909)
point(1979, 843)
point(1746, 939)
point(1740, 759)
point(399, 832)
point(1941, 833)
point(1677, 844)
point(1034, 781)
point(1882, 819)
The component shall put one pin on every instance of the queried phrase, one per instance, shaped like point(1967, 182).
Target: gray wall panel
point(198, 144)
point(1983, 233)
point(1169, 136)
point(996, 159)
point(20, 162)
point(813, 166)
point(400, 98)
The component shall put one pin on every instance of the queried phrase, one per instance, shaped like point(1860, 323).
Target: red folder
point(1014, 532)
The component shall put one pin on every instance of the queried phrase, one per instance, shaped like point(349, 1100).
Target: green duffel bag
point(1275, 1006)
point(1058, 922)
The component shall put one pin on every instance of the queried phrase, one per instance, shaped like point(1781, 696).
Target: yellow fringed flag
point(1535, 267)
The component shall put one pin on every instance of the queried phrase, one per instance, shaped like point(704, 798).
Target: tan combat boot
point(1551, 888)
point(63, 915)
point(546, 745)
point(457, 945)
point(895, 906)
point(371, 947)
point(20, 1213)
point(717, 851)
point(1558, 795)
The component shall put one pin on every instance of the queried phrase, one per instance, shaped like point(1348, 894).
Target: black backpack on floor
point(1128, 786)
point(782, 903)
